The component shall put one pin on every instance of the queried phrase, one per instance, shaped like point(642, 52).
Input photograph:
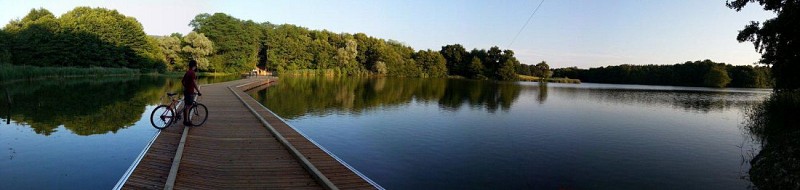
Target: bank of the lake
point(14, 73)
point(10, 72)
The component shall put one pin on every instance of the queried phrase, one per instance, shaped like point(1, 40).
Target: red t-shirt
point(188, 82)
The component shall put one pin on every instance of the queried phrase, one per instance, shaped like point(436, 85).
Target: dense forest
point(241, 45)
point(82, 37)
point(98, 37)
point(698, 73)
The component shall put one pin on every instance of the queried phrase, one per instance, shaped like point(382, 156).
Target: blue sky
point(583, 33)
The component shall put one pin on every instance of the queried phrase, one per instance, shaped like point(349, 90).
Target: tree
point(476, 68)
point(171, 48)
point(543, 70)
point(198, 47)
point(456, 57)
point(433, 63)
point(379, 68)
point(118, 35)
point(33, 40)
point(506, 71)
point(777, 39)
point(346, 56)
point(236, 42)
point(717, 77)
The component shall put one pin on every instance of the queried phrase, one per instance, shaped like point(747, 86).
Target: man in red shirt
point(189, 87)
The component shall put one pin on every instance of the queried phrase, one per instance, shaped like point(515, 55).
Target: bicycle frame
point(175, 104)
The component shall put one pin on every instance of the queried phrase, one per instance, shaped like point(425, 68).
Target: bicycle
point(165, 115)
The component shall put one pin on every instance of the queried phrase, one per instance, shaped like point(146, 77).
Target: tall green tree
point(170, 47)
point(123, 32)
point(717, 77)
point(476, 68)
point(542, 69)
point(34, 39)
point(198, 48)
point(777, 39)
point(506, 70)
point(433, 63)
point(346, 56)
point(457, 59)
point(236, 42)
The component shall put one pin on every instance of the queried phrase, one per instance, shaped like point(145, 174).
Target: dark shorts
point(188, 98)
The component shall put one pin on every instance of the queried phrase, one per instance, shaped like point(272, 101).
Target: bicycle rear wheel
point(199, 114)
point(162, 117)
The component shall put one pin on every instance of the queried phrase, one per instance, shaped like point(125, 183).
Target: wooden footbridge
point(243, 145)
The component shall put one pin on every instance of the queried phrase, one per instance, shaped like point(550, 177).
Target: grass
point(553, 80)
point(19, 72)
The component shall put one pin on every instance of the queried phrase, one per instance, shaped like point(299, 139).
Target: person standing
point(189, 82)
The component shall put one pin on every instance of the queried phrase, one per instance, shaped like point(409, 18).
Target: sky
point(582, 33)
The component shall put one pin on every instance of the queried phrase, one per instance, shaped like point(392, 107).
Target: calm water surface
point(76, 133)
point(463, 134)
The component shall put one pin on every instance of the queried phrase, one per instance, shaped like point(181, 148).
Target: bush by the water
point(775, 123)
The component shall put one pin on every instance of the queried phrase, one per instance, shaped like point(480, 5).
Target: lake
point(84, 133)
point(464, 134)
point(77, 133)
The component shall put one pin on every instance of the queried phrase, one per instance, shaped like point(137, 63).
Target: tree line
point(704, 73)
point(88, 37)
point(243, 44)
point(82, 37)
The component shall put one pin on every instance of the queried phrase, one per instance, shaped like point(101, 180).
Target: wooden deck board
point(234, 150)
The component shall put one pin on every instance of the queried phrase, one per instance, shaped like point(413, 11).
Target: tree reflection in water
point(775, 123)
point(86, 106)
point(323, 95)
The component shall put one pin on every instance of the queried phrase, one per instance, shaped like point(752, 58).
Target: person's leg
point(188, 102)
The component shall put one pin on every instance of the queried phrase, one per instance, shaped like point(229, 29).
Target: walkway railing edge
point(136, 162)
point(376, 185)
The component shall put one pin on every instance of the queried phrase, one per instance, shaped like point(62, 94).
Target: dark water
point(462, 134)
point(76, 133)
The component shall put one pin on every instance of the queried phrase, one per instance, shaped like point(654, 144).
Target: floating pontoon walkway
point(243, 145)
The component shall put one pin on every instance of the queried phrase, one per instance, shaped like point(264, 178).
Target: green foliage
point(171, 49)
point(236, 42)
point(457, 59)
point(774, 123)
point(540, 70)
point(5, 53)
point(286, 48)
point(506, 71)
point(433, 64)
point(717, 77)
point(82, 37)
point(476, 69)
point(777, 39)
point(198, 48)
point(697, 73)
point(379, 68)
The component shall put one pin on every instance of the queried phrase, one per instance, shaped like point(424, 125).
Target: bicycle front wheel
point(162, 117)
point(199, 114)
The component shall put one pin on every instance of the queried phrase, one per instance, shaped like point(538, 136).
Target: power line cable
point(526, 23)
